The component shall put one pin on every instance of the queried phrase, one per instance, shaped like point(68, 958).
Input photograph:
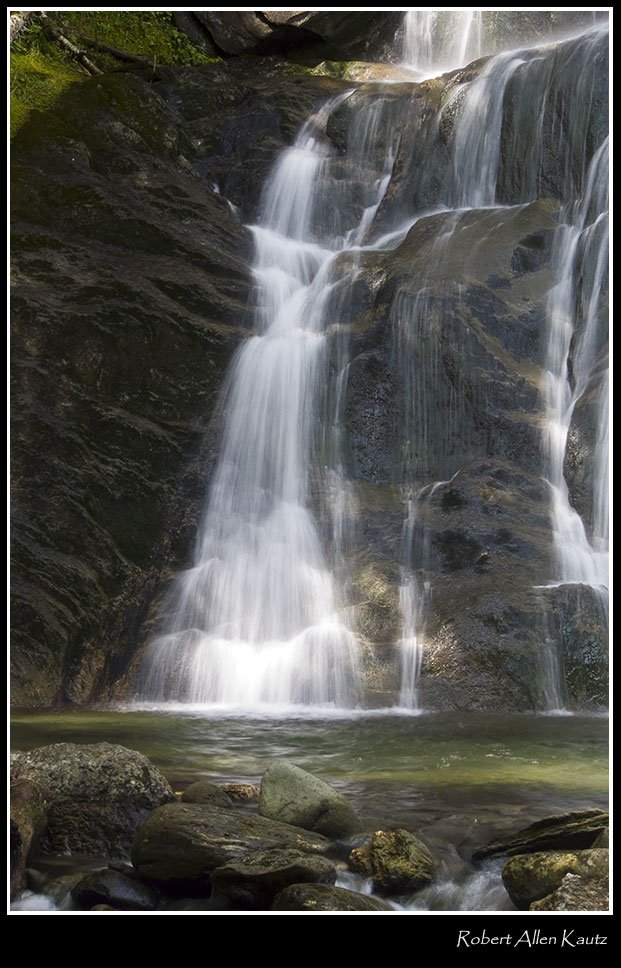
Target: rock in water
point(205, 792)
point(97, 795)
point(396, 860)
point(240, 791)
point(567, 831)
point(110, 887)
point(321, 897)
point(180, 844)
point(576, 894)
point(530, 877)
point(294, 796)
point(27, 823)
point(252, 882)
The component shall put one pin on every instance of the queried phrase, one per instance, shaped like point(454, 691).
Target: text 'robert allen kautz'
point(565, 939)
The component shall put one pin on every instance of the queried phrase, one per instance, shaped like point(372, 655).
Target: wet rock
point(179, 845)
point(530, 877)
point(110, 887)
point(28, 813)
point(252, 882)
point(603, 840)
point(320, 897)
point(396, 860)
point(575, 893)
point(60, 888)
point(294, 796)
point(97, 794)
point(568, 831)
point(102, 907)
point(204, 792)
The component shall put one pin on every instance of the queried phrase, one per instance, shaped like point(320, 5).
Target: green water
point(458, 780)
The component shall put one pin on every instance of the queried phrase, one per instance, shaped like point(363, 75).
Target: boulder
point(27, 822)
point(204, 792)
point(530, 877)
point(321, 897)
point(603, 840)
point(252, 882)
point(59, 889)
point(396, 860)
point(294, 796)
point(567, 831)
point(180, 844)
point(97, 795)
point(575, 893)
point(110, 887)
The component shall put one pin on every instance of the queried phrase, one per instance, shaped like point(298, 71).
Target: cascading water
point(262, 617)
point(257, 619)
point(576, 328)
point(437, 41)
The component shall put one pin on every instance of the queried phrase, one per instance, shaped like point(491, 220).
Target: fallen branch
point(75, 52)
point(121, 55)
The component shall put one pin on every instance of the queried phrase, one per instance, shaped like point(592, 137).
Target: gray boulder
point(396, 860)
point(97, 794)
point(180, 845)
point(321, 897)
point(205, 792)
point(252, 882)
point(294, 796)
point(111, 887)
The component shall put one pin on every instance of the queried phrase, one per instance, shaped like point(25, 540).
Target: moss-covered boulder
point(530, 877)
point(397, 861)
point(322, 898)
point(294, 796)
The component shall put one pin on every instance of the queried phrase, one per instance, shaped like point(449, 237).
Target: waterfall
point(263, 617)
point(258, 619)
point(575, 322)
point(437, 41)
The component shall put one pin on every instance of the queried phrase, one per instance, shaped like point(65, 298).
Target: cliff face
point(131, 292)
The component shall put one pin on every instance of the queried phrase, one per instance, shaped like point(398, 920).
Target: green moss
point(151, 35)
point(37, 80)
point(41, 70)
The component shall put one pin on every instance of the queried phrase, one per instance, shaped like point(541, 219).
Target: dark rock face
point(204, 792)
point(179, 845)
point(130, 294)
point(97, 795)
point(321, 897)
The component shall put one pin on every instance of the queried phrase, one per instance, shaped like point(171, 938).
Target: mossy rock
point(397, 861)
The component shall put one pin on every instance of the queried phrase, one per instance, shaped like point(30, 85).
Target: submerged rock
point(113, 888)
point(97, 794)
point(27, 823)
point(567, 831)
point(575, 893)
point(253, 881)
point(294, 796)
point(396, 860)
point(530, 877)
point(320, 897)
point(205, 792)
point(179, 845)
